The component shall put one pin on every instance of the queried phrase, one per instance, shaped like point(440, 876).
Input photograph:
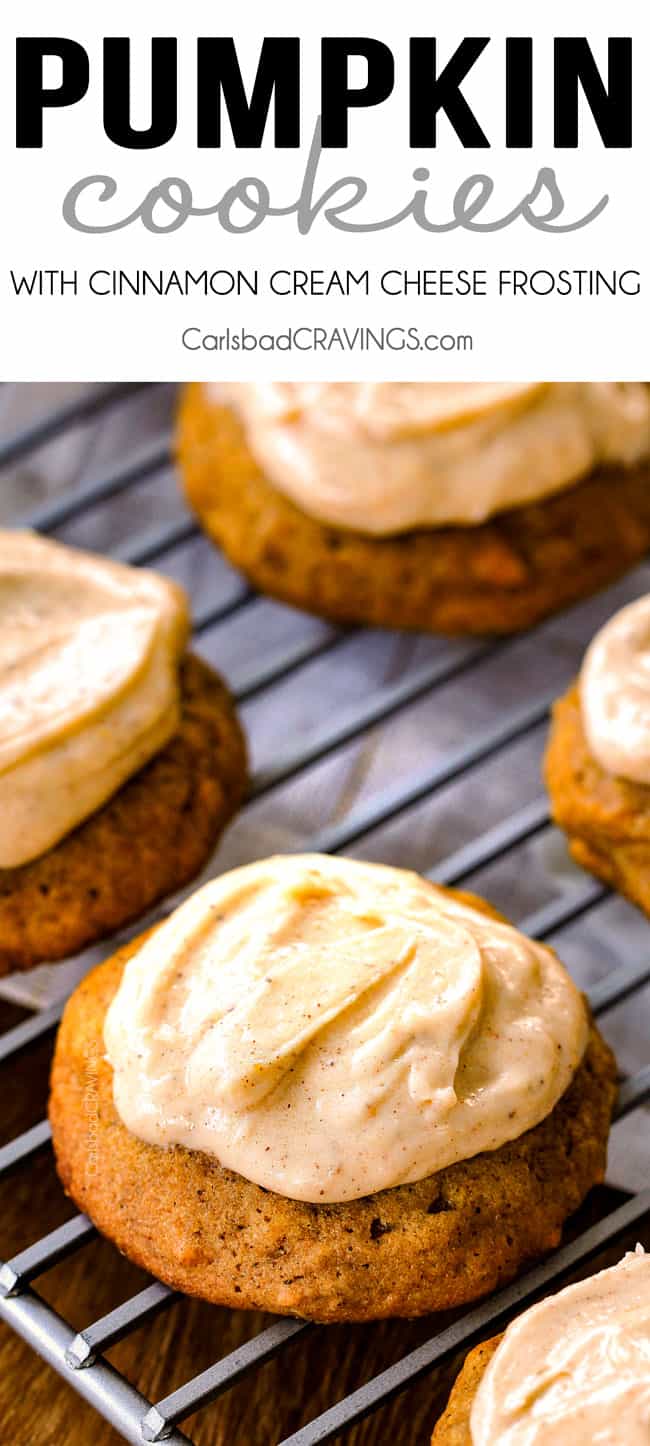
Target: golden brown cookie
point(148, 840)
point(441, 1242)
point(606, 818)
point(495, 578)
point(453, 1427)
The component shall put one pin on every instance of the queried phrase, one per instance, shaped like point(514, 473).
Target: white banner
point(461, 233)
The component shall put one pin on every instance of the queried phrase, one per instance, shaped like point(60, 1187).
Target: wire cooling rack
point(397, 710)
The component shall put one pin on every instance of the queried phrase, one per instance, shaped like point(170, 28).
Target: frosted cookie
point(598, 757)
point(469, 508)
point(121, 758)
point(570, 1371)
point(330, 1089)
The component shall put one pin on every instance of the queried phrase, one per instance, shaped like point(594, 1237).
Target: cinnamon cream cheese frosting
point(386, 457)
point(615, 693)
point(89, 690)
point(574, 1370)
point(329, 1028)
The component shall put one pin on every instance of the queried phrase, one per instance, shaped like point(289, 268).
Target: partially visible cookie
point(453, 1427)
point(205, 1230)
point(574, 1366)
point(606, 817)
point(152, 837)
point(498, 577)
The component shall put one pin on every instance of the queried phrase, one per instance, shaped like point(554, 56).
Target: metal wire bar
point(17, 1273)
point(30, 1031)
point(281, 667)
point(68, 505)
point(633, 1093)
point(24, 1146)
point(464, 1333)
point(506, 835)
point(370, 712)
point(211, 617)
point(451, 767)
point(618, 985)
point(82, 409)
point(120, 1322)
point(220, 1377)
point(560, 913)
point(140, 551)
point(100, 1385)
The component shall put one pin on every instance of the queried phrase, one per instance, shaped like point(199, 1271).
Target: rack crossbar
point(447, 770)
point(111, 1328)
point(633, 1093)
point(561, 913)
point(101, 1385)
point(148, 546)
point(378, 709)
point(618, 985)
point(493, 844)
point(30, 1031)
point(277, 669)
point(15, 1274)
point(81, 409)
point(24, 1146)
point(220, 1377)
point(69, 505)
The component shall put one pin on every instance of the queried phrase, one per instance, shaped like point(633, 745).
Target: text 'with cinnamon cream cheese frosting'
point(329, 1028)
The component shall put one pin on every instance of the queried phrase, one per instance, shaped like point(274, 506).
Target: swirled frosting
point(615, 693)
point(328, 1028)
point(389, 457)
point(89, 688)
point(574, 1370)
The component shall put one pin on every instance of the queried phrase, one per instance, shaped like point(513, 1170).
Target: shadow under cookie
point(606, 818)
point(207, 1231)
point(152, 837)
point(498, 577)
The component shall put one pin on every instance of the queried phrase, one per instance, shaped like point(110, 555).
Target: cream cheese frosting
point(615, 693)
point(574, 1370)
point(328, 1028)
point(387, 457)
point(89, 689)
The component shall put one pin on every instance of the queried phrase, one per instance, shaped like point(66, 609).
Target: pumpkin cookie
point(492, 576)
point(189, 1217)
point(573, 1367)
point(453, 1428)
point(150, 839)
point(598, 757)
point(121, 758)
